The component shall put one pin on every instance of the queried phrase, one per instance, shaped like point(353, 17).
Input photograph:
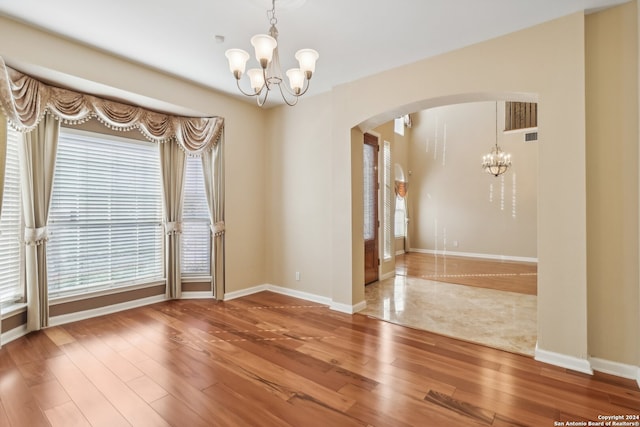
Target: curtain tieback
point(218, 228)
point(35, 236)
point(172, 227)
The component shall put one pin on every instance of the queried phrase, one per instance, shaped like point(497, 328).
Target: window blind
point(388, 201)
point(400, 217)
point(106, 213)
point(11, 289)
point(370, 200)
point(196, 234)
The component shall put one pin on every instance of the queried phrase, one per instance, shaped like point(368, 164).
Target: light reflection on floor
point(499, 319)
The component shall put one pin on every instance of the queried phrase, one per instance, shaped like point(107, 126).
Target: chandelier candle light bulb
point(269, 75)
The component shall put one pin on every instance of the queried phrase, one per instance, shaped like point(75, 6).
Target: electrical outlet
point(297, 275)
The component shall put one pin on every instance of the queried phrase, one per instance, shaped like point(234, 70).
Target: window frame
point(80, 293)
point(10, 306)
point(193, 277)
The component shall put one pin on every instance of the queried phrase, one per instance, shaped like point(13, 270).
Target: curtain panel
point(36, 109)
point(213, 171)
point(37, 155)
point(172, 165)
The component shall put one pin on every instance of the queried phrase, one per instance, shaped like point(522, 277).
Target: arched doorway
point(471, 272)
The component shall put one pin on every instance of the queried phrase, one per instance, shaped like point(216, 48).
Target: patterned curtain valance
point(25, 100)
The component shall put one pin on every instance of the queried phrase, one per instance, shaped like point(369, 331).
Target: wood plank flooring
point(512, 276)
point(272, 360)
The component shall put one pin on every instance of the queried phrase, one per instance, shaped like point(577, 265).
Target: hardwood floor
point(520, 277)
point(272, 360)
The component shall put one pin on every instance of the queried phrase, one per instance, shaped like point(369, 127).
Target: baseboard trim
point(563, 360)
point(343, 308)
point(13, 334)
point(389, 275)
point(615, 368)
point(400, 252)
point(100, 311)
point(348, 309)
point(244, 292)
point(197, 295)
point(300, 294)
point(475, 255)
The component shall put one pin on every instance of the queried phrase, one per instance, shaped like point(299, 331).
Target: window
point(400, 217)
point(11, 254)
point(106, 213)
point(520, 115)
point(388, 201)
point(196, 234)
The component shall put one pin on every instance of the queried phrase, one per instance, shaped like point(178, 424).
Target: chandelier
point(497, 162)
point(269, 76)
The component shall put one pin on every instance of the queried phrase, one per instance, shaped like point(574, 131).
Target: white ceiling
point(355, 38)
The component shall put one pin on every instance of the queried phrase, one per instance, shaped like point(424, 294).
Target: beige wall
point(457, 207)
point(246, 144)
point(612, 184)
point(299, 196)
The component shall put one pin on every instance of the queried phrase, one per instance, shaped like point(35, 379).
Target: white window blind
point(106, 213)
point(400, 217)
point(196, 234)
point(370, 200)
point(388, 201)
point(11, 289)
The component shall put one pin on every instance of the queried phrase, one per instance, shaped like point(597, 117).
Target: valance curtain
point(37, 109)
point(25, 101)
point(3, 159)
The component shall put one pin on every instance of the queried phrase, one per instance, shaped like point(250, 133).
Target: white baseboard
point(389, 275)
point(348, 309)
point(100, 311)
point(343, 308)
point(400, 252)
point(13, 334)
point(197, 295)
point(245, 292)
point(474, 255)
point(563, 360)
point(614, 368)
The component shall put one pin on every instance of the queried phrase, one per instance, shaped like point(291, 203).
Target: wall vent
point(530, 136)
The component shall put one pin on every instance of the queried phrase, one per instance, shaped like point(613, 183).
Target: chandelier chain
point(271, 14)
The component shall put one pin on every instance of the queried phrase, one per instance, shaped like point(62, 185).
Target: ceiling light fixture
point(497, 162)
point(269, 75)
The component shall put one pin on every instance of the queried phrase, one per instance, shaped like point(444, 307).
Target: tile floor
point(499, 319)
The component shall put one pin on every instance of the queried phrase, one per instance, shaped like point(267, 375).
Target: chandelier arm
point(255, 93)
point(266, 95)
point(286, 100)
point(302, 92)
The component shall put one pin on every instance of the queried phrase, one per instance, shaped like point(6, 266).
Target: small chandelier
point(497, 162)
point(269, 75)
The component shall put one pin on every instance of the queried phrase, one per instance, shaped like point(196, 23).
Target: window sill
point(13, 309)
point(81, 295)
point(196, 279)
